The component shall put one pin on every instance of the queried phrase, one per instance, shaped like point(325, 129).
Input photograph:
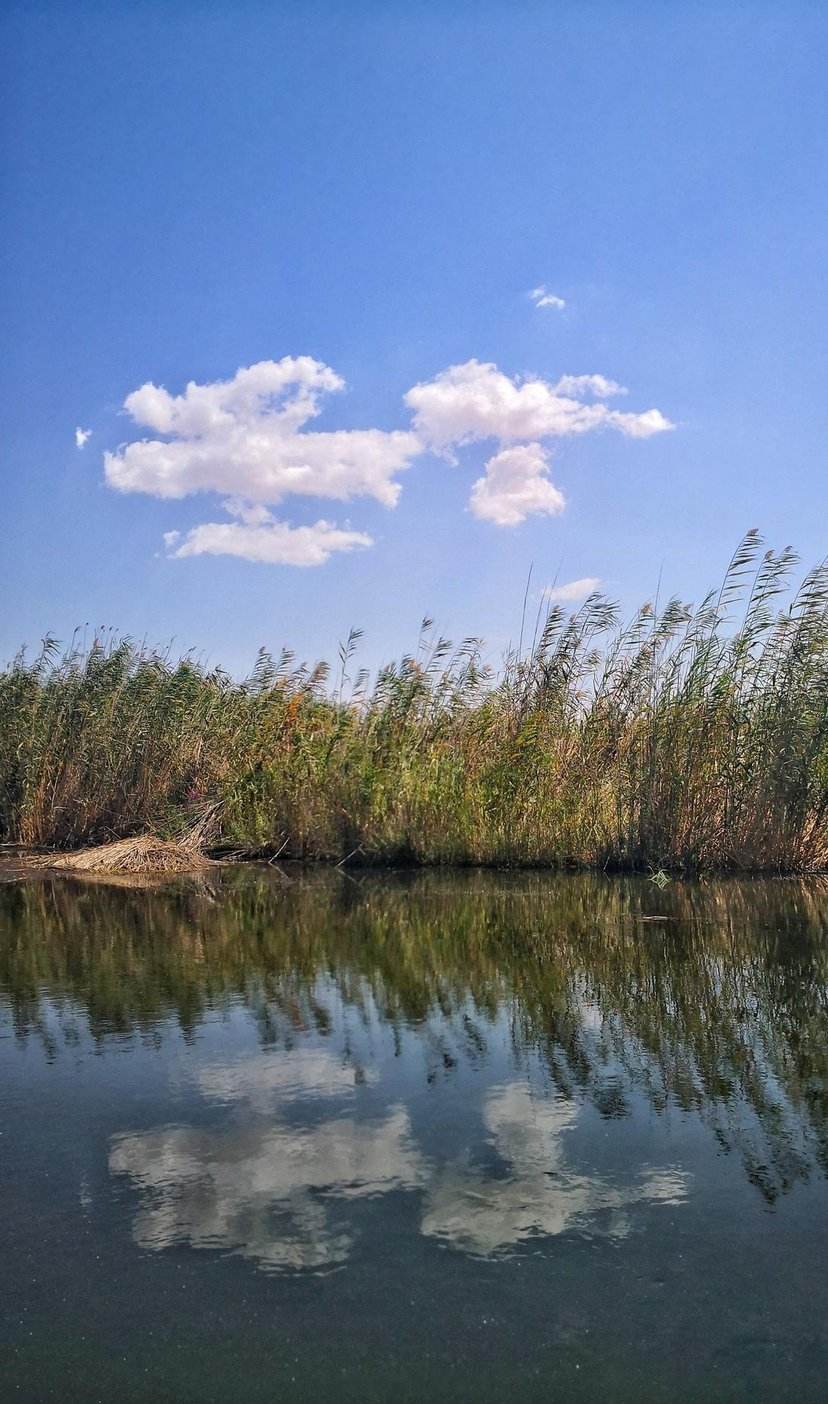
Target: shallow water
point(438, 1137)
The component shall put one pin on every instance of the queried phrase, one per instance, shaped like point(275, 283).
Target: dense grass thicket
point(690, 738)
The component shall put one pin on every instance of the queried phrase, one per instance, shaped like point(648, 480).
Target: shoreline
point(90, 861)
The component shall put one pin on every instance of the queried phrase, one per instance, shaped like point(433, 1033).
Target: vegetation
point(689, 739)
point(130, 856)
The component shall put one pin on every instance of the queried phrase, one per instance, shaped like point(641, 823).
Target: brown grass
point(142, 855)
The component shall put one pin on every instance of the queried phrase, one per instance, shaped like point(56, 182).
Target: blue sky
point(376, 189)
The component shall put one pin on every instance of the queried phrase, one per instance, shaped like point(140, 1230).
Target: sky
point(327, 315)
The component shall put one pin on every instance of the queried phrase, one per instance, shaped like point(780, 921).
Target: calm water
point(471, 1137)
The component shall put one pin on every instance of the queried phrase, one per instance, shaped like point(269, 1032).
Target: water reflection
point(717, 1010)
point(422, 1137)
point(263, 1191)
point(262, 1081)
point(272, 1182)
point(539, 1196)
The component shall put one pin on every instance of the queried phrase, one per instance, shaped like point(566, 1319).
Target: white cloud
point(516, 484)
point(579, 385)
point(573, 589)
point(245, 437)
point(642, 426)
point(477, 401)
point(271, 542)
point(81, 436)
point(251, 513)
point(542, 297)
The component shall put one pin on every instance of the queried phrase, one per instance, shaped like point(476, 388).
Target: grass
point(688, 739)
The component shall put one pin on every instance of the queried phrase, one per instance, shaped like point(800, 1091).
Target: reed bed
point(691, 738)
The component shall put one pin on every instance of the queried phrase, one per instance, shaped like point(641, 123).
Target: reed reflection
point(707, 999)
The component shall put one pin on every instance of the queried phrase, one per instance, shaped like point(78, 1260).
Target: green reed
point(688, 738)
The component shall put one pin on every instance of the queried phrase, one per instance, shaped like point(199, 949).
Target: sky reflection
point(272, 1181)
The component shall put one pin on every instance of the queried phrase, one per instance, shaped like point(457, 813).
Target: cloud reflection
point(261, 1192)
point(480, 1213)
point(263, 1188)
point(274, 1190)
point(264, 1081)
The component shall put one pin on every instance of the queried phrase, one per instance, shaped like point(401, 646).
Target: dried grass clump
point(142, 855)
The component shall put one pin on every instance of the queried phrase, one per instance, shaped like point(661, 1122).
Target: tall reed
point(689, 738)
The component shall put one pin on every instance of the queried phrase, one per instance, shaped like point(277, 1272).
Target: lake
point(298, 1135)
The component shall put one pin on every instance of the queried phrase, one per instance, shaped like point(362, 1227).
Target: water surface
point(440, 1137)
